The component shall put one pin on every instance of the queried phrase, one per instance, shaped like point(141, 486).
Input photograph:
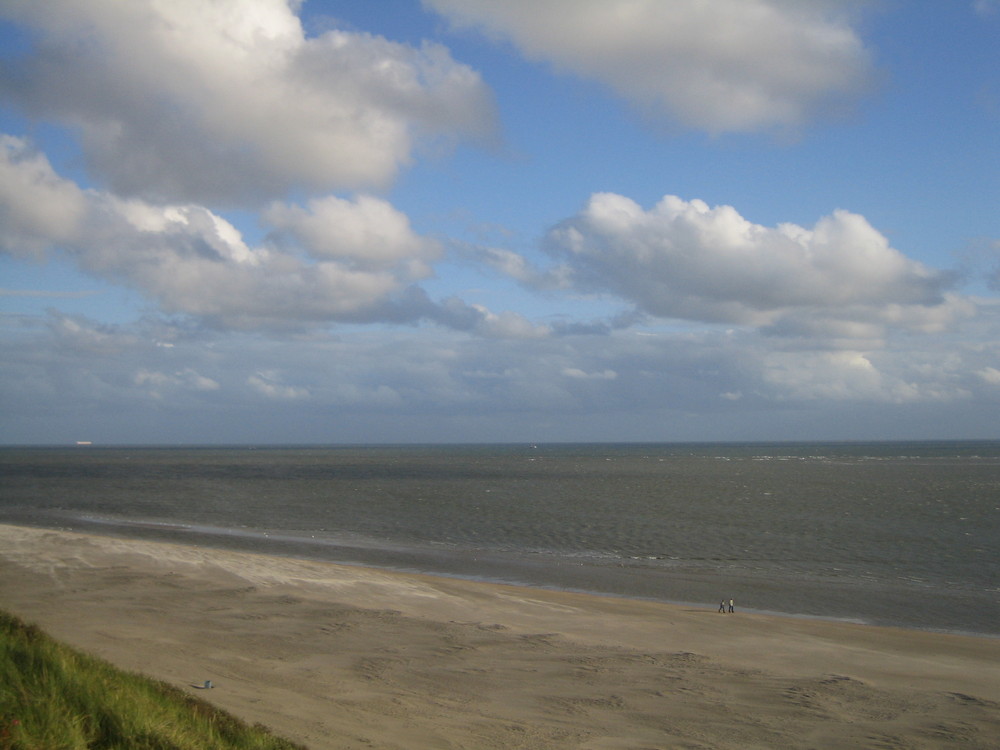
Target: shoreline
point(344, 656)
point(430, 563)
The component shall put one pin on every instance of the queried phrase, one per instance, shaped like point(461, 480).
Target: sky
point(284, 222)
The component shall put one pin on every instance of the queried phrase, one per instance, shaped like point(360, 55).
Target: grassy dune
point(53, 697)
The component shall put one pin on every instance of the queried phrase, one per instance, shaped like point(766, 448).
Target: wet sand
point(350, 657)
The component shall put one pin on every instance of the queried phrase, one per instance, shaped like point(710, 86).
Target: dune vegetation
point(54, 697)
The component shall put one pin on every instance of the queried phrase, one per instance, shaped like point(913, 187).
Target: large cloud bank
point(192, 111)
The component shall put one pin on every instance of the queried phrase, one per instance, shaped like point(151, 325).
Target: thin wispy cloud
point(54, 294)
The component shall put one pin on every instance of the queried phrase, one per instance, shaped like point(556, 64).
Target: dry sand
point(350, 657)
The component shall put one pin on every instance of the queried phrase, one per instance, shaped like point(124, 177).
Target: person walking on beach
point(731, 606)
point(722, 606)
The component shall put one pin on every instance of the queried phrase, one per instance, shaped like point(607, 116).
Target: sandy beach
point(350, 657)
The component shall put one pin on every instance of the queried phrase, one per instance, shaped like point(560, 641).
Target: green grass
point(53, 697)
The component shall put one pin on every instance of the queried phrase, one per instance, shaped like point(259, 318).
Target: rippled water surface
point(892, 533)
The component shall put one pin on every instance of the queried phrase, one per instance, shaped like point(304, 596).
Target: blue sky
point(261, 221)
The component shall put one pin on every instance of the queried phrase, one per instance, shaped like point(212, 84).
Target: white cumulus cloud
point(684, 259)
point(726, 65)
point(229, 100)
point(332, 260)
point(366, 233)
point(37, 207)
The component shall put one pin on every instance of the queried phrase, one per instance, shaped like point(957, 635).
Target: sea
point(902, 534)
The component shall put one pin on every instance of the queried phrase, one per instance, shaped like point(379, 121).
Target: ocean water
point(904, 534)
